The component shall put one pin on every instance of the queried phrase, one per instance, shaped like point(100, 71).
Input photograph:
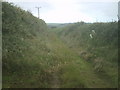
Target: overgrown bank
point(96, 43)
point(19, 31)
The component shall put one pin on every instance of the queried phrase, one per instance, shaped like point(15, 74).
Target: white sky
point(68, 11)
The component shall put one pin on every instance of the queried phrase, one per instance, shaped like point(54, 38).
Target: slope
point(100, 49)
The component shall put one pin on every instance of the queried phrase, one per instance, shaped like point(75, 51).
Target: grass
point(99, 51)
point(38, 67)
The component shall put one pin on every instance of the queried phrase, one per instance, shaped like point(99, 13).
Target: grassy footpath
point(50, 63)
point(101, 51)
point(76, 72)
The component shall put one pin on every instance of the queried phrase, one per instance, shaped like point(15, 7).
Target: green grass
point(97, 51)
point(38, 67)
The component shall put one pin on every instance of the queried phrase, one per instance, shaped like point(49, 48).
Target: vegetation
point(56, 25)
point(101, 50)
point(19, 32)
point(35, 56)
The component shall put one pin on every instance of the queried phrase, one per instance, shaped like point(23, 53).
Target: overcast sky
point(69, 11)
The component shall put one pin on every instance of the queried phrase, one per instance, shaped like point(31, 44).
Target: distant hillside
point(57, 25)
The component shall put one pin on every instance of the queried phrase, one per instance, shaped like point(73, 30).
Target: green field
point(34, 55)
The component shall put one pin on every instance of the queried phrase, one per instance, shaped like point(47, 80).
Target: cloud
point(71, 10)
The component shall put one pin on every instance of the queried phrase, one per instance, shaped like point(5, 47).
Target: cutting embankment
point(97, 44)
